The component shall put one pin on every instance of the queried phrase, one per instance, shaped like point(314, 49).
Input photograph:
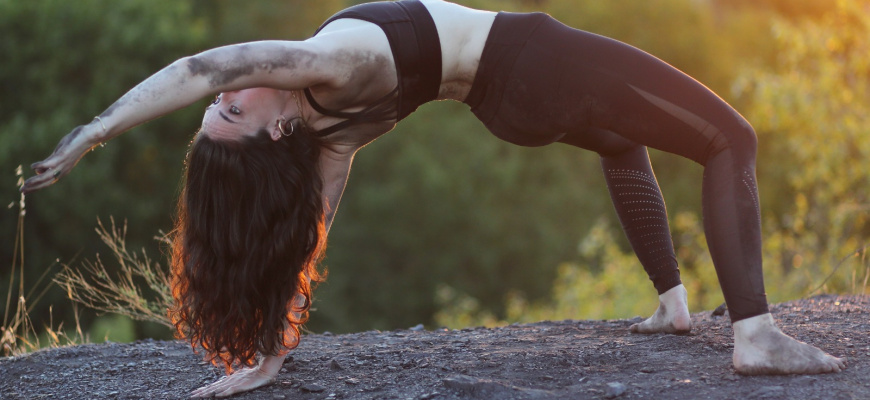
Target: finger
point(35, 183)
point(44, 179)
point(217, 386)
point(207, 389)
point(38, 167)
point(238, 386)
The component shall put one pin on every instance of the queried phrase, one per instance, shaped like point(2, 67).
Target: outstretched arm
point(276, 64)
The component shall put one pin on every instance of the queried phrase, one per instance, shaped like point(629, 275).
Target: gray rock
point(614, 389)
point(767, 392)
point(484, 388)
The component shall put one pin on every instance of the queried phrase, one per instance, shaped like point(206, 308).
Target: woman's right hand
point(244, 379)
point(240, 381)
point(65, 156)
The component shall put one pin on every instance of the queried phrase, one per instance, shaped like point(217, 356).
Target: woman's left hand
point(240, 381)
point(66, 155)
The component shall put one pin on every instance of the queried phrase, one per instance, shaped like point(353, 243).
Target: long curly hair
point(248, 237)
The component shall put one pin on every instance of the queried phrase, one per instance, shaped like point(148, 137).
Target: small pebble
point(312, 387)
point(418, 328)
point(614, 389)
point(334, 365)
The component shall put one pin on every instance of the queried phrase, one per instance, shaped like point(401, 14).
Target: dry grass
point(18, 335)
point(123, 294)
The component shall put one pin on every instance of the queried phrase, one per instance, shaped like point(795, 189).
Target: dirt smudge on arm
point(229, 64)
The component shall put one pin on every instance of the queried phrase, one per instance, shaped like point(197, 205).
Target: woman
point(266, 171)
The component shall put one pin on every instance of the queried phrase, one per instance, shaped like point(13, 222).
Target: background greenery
point(442, 223)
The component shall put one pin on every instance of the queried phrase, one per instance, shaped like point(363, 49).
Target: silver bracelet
point(101, 123)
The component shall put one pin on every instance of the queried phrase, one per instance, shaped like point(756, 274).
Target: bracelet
point(101, 123)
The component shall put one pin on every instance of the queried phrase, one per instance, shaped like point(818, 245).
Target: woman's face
point(234, 115)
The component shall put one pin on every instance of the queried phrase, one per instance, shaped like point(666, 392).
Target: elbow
point(203, 67)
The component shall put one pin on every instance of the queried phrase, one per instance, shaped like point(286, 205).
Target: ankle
point(675, 297)
point(747, 329)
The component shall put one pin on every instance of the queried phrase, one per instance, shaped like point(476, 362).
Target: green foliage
point(441, 200)
point(811, 112)
point(115, 328)
point(439, 208)
point(65, 62)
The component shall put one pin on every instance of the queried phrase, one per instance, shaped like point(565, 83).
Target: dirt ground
point(546, 360)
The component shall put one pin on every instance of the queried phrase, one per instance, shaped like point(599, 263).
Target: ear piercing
point(281, 122)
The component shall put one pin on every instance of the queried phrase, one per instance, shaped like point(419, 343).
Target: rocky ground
point(546, 360)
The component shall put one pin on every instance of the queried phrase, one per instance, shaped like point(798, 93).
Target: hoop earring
point(281, 122)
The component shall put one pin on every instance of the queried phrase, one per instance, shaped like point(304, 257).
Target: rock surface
point(545, 360)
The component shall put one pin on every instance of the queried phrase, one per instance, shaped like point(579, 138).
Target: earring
point(281, 122)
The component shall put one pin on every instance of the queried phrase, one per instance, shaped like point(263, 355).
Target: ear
point(275, 132)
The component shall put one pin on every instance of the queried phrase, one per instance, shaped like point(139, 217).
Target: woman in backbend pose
point(266, 170)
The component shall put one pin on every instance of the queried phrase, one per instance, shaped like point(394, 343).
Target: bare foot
point(760, 348)
point(672, 316)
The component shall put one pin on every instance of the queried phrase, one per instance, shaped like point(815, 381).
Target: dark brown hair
point(248, 237)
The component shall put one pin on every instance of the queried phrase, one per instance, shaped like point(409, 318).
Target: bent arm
point(335, 165)
point(277, 64)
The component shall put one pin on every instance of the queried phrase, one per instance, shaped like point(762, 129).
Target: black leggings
point(540, 81)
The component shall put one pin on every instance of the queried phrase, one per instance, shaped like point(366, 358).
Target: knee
point(740, 139)
point(627, 150)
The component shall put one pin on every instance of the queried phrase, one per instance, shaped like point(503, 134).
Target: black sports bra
point(416, 50)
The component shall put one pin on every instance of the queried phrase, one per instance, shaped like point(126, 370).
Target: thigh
point(609, 85)
point(604, 142)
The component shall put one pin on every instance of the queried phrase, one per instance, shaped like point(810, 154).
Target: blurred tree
point(438, 201)
point(812, 113)
point(233, 22)
point(65, 62)
point(441, 201)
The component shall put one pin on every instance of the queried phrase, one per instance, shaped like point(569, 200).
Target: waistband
point(506, 38)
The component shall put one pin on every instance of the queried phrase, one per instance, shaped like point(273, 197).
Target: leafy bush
point(812, 114)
